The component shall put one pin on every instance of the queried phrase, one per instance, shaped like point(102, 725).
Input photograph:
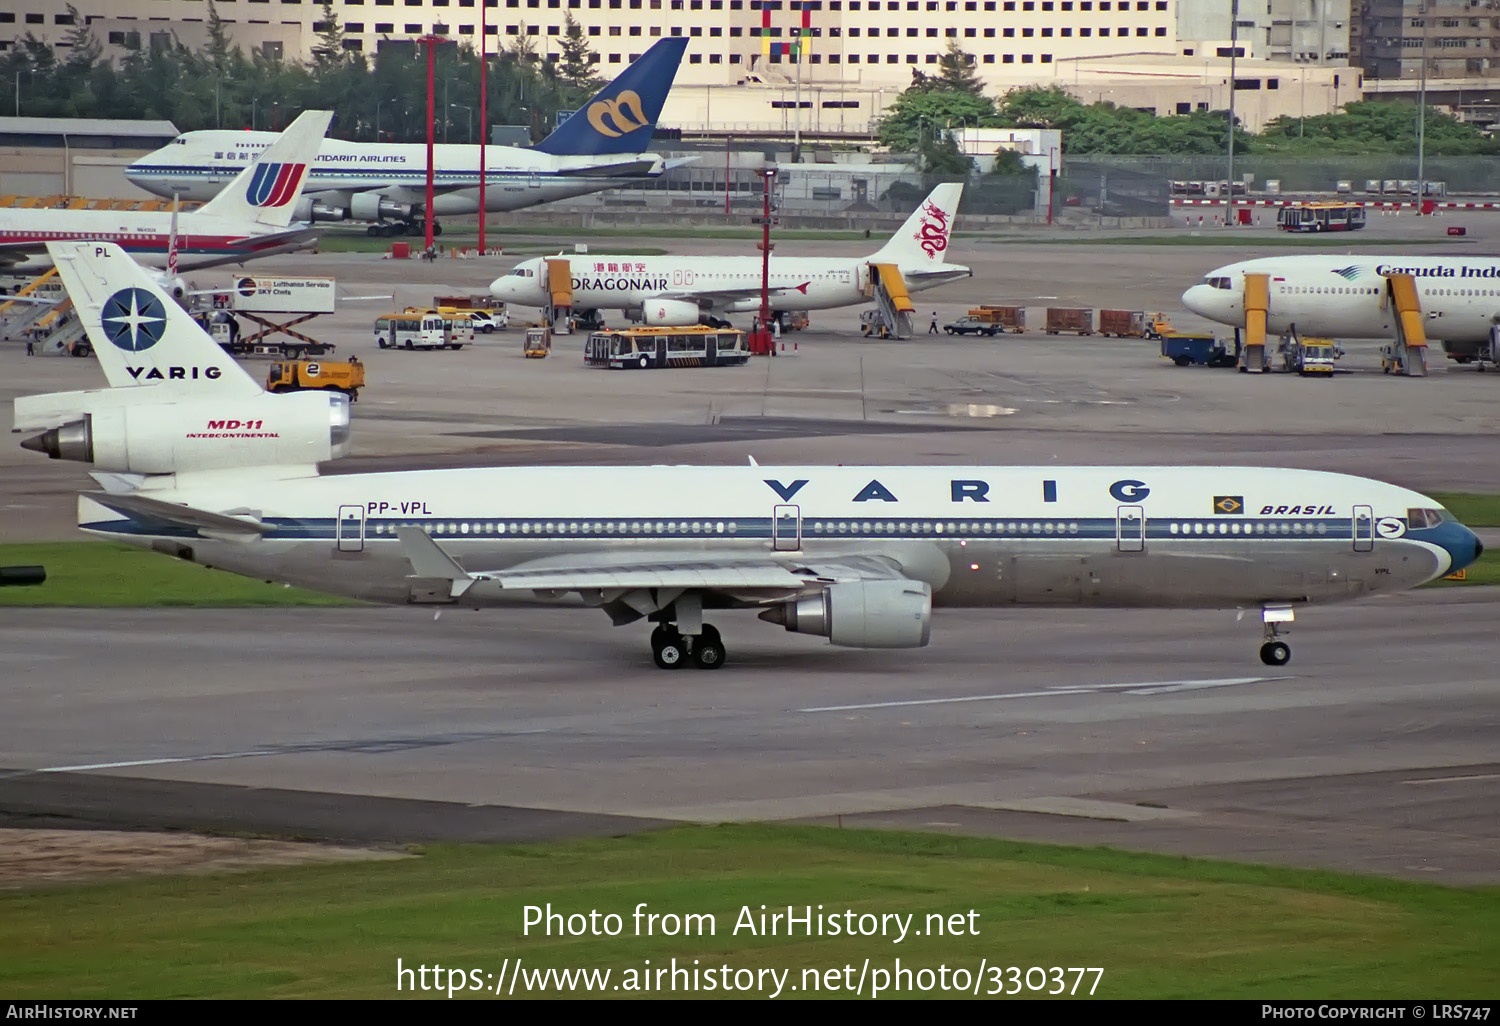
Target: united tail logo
point(625, 112)
point(274, 185)
point(933, 234)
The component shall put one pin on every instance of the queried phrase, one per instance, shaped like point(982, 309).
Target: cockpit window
point(1217, 283)
point(1416, 517)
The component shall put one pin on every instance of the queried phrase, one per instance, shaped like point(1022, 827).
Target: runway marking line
point(368, 746)
point(1452, 780)
point(1135, 688)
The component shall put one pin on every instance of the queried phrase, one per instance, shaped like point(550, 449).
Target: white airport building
point(737, 76)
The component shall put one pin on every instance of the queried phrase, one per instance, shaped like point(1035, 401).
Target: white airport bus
point(423, 330)
point(666, 347)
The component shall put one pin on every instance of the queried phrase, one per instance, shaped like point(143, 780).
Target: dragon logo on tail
point(933, 233)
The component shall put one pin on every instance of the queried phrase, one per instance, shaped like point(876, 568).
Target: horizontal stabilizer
point(135, 506)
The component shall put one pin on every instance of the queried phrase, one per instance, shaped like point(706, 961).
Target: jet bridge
point(1411, 337)
point(893, 306)
point(559, 295)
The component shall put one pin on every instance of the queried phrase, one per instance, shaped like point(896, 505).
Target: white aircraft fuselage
point(796, 283)
point(1346, 297)
point(979, 536)
point(203, 240)
point(197, 165)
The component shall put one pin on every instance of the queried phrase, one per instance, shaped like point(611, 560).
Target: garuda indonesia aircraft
point(251, 218)
point(685, 290)
point(602, 146)
point(196, 460)
point(1456, 298)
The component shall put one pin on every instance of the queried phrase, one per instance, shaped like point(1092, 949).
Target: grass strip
point(1159, 926)
point(108, 574)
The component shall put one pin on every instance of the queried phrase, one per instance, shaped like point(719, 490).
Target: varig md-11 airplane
point(601, 147)
point(1455, 299)
point(251, 218)
point(197, 461)
point(683, 290)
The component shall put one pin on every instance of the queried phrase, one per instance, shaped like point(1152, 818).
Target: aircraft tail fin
point(923, 239)
point(622, 116)
point(142, 337)
point(268, 190)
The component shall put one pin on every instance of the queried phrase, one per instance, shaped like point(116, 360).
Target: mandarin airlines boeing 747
point(197, 461)
point(601, 147)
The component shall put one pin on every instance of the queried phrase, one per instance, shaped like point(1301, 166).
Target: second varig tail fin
point(142, 337)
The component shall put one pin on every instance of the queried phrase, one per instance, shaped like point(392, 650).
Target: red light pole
point(427, 214)
point(483, 124)
point(761, 342)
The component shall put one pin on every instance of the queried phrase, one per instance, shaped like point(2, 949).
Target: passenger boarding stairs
point(893, 306)
point(17, 316)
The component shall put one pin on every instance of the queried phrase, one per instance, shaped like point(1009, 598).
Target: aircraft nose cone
point(1462, 545)
point(1193, 299)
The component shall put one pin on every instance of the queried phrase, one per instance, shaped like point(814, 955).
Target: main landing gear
point(1274, 651)
point(672, 650)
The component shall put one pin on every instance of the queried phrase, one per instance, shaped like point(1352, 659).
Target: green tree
point(576, 65)
point(956, 72)
point(328, 52)
point(919, 112)
point(1009, 163)
point(938, 154)
point(83, 49)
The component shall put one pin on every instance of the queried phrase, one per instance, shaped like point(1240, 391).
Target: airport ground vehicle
point(1202, 350)
point(1077, 320)
point(484, 313)
point(1004, 318)
point(1122, 323)
point(422, 329)
point(969, 323)
point(486, 321)
point(1390, 359)
point(1309, 357)
point(1321, 217)
point(301, 375)
point(666, 347)
point(538, 343)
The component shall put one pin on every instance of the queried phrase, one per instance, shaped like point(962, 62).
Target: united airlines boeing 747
point(197, 461)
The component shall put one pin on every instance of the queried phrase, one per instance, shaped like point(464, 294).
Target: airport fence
point(1472, 176)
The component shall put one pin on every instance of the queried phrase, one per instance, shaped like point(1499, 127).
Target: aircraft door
point(350, 529)
point(1364, 529)
point(535, 181)
point(786, 528)
point(1130, 529)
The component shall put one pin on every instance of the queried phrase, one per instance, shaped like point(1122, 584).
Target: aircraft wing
point(763, 577)
point(12, 253)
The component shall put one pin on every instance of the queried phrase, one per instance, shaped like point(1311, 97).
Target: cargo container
point(1122, 323)
point(1006, 318)
point(1079, 320)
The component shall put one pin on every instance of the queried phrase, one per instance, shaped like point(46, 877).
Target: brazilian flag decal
point(1229, 504)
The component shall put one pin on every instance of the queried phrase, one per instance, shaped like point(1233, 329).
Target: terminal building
point(742, 75)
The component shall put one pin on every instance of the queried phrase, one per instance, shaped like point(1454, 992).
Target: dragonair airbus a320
point(685, 290)
point(196, 460)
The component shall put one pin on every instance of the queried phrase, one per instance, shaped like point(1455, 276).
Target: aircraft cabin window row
point(1417, 518)
point(1260, 527)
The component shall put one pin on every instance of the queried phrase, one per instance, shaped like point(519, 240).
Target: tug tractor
point(301, 375)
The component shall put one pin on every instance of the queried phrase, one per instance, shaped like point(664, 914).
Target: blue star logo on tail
point(1348, 273)
point(133, 319)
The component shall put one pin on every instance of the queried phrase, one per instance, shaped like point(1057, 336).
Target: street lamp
point(469, 117)
point(1422, 117)
point(18, 89)
point(254, 101)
